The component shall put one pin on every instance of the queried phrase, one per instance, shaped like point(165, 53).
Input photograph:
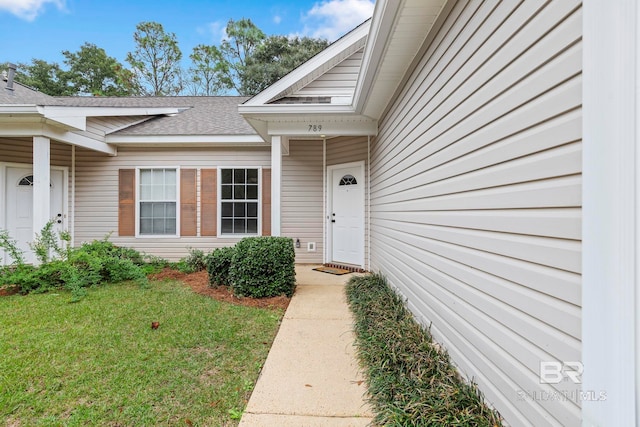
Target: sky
point(42, 29)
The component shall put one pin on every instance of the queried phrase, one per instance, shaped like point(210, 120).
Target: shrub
point(195, 261)
point(218, 266)
point(263, 267)
point(76, 268)
point(410, 379)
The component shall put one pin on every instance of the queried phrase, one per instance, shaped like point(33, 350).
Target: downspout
point(324, 200)
point(73, 196)
point(368, 267)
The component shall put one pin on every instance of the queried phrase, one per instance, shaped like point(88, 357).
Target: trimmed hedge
point(218, 265)
point(263, 267)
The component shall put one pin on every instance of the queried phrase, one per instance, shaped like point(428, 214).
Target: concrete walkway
point(311, 377)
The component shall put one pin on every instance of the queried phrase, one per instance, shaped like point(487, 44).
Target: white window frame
point(137, 184)
point(219, 203)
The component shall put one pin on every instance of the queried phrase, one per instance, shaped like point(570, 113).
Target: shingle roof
point(200, 115)
point(24, 95)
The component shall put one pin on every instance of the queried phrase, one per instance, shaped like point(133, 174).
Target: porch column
point(276, 183)
point(41, 182)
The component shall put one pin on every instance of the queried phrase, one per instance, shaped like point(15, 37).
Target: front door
point(347, 213)
point(19, 206)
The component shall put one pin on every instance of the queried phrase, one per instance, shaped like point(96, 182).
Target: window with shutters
point(157, 199)
point(239, 201)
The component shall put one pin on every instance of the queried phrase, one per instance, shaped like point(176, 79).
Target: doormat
point(332, 270)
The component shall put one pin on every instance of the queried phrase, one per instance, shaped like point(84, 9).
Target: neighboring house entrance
point(19, 206)
point(346, 205)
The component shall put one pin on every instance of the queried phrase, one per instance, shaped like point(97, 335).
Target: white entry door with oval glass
point(346, 216)
point(19, 206)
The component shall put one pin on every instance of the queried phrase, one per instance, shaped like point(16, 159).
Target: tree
point(208, 71)
point(47, 77)
point(156, 60)
point(275, 58)
point(243, 37)
point(91, 71)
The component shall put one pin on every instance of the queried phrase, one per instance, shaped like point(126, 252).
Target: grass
point(98, 362)
point(410, 379)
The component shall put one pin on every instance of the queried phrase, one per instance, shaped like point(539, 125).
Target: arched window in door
point(348, 180)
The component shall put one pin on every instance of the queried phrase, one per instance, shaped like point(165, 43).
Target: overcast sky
point(42, 29)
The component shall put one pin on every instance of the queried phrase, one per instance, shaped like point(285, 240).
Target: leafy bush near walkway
point(411, 380)
point(257, 267)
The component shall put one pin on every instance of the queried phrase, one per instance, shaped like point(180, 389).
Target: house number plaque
point(314, 127)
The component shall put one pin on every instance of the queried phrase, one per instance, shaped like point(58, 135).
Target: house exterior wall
point(97, 193)
point(476, 199)
point(302, 198)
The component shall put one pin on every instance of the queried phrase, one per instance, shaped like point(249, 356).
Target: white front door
point(19, 206)
point(347, 213)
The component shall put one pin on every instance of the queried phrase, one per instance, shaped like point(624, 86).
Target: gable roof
point(391, 40)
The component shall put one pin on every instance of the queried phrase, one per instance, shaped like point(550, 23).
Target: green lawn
point(98, 362)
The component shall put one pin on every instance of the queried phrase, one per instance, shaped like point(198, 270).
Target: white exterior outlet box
point(311, 247)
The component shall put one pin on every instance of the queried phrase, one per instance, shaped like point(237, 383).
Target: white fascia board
point(57, 111)
point(319, 127)
point(311, 65)
point(187, 140)
point(20, 109)
point(296, 109)
point(68, 137)
point(384, 16)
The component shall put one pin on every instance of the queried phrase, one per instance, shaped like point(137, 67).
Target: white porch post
point(611, 193)
point(276, 184)
point(41, 181)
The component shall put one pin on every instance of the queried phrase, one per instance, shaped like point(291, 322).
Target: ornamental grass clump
point(410, 379)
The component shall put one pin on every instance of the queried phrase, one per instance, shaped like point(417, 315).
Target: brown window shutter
point(266, 202)
point(188, 220)
point(126, 202)
point(209, 208)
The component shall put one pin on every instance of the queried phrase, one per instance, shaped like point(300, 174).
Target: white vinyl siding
point(339, 81)
point(476, 198)
point(302, 205)
point(97, 192)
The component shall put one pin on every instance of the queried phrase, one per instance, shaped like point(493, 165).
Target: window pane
point(170, 226)
point(252, 226)
point(227, 192)
point(227, 176)
point(145, 226)
point(170, 177)
point(238, 176)
point(239, 226)
point(146, 210)
point(170, 192)
point(227, 210)
point(252, 192)
point(145, 176)
point(170, 210)
point(238, 192)
point(227, 226)
point(252, 176)
point(239, 210)
point(252, 210)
